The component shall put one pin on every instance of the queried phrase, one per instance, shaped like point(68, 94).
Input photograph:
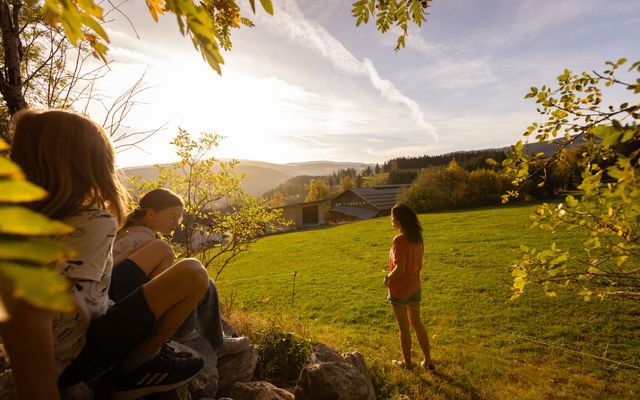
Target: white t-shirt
point(132, 238)
point(92, 239)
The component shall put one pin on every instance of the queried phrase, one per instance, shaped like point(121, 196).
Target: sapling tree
point(220, 219)
point(606, 210)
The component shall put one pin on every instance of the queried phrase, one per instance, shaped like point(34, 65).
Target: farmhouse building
point(305, 215)
point(365, 203)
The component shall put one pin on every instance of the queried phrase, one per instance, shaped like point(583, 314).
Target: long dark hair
point(408, 221)
point(156, 200)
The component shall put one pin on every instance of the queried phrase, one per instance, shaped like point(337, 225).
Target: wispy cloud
point(291, 22)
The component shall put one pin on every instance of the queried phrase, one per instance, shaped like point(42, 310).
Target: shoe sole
point(144, 391)
point(221, 353)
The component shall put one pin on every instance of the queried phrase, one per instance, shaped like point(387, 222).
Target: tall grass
point(485, 346)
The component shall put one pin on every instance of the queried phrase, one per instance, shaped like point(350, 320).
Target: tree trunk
point(11, 75)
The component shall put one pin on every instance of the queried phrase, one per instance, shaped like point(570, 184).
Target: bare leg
point(154, 257)
point(405, 333)
point(172, 296)
point(413, 310)
point(29, 341)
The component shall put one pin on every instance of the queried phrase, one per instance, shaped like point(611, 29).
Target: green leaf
point(268, 7)
point(14, 191)
point(628, 135)
point(518, 273)
point(610, 136)
point(559, 260)
point(18, 220)
point(34, 250)
point(39, 286)
point(571, 201)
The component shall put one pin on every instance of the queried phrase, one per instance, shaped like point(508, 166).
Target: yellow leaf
point(156, 7)
point(94, 26)
point(18, 220)
point(91, 8)
point(4, 315)
point(12, 191)
point(9, 169)
point(40, 286)
point(34, 250)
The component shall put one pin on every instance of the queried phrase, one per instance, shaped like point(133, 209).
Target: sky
point(307, 84)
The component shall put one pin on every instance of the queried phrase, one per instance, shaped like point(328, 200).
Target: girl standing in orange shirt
point(403, 281)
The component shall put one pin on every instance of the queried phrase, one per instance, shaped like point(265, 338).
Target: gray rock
point(205, 384)
point(4, 358)
point(181, 393)
point(7, 385)
point(78, 392)
point(258, 390)
point(238, 367)
point(357, 360)
point(323, 353)
point(329, 376)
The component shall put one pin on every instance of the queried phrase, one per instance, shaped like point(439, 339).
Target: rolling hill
point(262, 176)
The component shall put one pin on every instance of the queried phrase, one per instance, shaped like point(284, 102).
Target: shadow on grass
point(450, 386)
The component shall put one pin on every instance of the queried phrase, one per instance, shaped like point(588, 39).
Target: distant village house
point(305, 215)
point(365, 203)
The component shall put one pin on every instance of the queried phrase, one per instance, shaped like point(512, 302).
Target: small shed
point(365, 203)
point(305, 215)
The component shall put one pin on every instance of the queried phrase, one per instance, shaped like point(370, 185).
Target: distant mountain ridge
point(261, 176)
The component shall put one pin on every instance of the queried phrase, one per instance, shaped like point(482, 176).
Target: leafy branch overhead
point(392, 12)
point(606, 211)
point(207, 22)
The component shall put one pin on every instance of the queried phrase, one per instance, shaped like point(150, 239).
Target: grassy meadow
point(484, 345)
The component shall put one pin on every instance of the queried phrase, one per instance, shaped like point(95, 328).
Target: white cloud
point(291, 22)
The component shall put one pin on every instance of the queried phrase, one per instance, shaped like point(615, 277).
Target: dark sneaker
point(167, 371)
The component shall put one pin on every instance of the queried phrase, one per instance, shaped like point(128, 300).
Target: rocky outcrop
point(257, 390)
point(239, 367)
point(329, 376)
point(325, 375)
point(206, 383)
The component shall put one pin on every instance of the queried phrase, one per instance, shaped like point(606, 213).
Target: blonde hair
point(71, 157)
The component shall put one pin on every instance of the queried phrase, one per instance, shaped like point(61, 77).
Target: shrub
point(282, 355)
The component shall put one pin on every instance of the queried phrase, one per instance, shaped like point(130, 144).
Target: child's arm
point(28, 338)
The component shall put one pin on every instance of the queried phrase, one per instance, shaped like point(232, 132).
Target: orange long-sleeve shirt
point(403, 251)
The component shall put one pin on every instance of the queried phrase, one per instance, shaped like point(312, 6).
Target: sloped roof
point(381, 197)
point(305, 204)
point(357, 212)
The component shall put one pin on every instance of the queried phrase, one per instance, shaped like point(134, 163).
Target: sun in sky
point(306, 84)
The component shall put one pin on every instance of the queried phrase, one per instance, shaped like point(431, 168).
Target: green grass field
point(485, 346)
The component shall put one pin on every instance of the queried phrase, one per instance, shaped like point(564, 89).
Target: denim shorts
point(111, 337)
point(403, 301)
